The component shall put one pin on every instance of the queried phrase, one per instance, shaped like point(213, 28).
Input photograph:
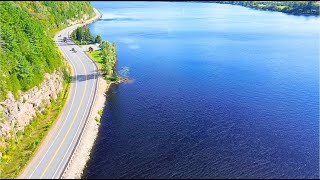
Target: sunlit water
point(219, 91)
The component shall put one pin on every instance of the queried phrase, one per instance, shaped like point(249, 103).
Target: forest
point(27, 48)
point(289, 7)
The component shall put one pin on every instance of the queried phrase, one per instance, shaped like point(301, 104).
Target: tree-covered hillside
point(27, 49)
point(289, 7)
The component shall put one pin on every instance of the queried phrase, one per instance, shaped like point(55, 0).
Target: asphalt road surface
point(53, 156)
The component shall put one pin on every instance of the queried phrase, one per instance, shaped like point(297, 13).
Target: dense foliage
point(55, 14)
point(98, 39)
point(82, 36)
point(27, 49)
point(290, 7)
point(109, 59)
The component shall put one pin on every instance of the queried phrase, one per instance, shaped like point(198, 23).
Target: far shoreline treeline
point(289, 7)
point(306, 8)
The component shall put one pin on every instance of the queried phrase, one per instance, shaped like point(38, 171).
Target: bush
point(100, 112)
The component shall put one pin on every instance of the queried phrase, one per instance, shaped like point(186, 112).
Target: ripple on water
point(221, 92)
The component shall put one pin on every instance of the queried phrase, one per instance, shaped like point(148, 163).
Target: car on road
point(73, 50)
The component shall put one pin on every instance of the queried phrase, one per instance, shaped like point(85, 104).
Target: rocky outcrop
point(16, 114)
point(71, 22)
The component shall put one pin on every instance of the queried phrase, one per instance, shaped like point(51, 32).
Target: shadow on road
point(65, 44)
point(81, 78)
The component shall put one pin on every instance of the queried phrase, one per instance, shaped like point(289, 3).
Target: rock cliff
point(15, 114)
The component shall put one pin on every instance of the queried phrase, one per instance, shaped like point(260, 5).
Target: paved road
point(55, 152)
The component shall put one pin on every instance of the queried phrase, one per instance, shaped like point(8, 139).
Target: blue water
point(219, 91)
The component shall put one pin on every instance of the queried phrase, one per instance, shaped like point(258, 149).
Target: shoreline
point(82, 152)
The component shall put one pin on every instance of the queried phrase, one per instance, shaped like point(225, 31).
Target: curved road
point(57, 148)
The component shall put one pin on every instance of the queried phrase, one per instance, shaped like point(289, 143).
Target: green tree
point(79, 34)
point(82, 35)
point(87, 34)
point(98, 39)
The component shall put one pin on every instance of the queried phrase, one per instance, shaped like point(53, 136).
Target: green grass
point(97, 57)
point(18, 154)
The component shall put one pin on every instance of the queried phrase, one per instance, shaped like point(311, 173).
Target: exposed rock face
point(19, 113)
point(73, 22)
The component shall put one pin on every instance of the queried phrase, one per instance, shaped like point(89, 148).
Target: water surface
point(219, 91)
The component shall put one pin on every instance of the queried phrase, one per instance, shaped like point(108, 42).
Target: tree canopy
point(109, 58)
point(27, 49)
point(82, 35)
point(98, 39)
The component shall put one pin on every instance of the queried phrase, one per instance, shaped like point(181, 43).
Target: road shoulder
point(82, 153)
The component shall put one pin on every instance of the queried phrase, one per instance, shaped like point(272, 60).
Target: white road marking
point(63, 122)
point(90, 96)
point(78, 126)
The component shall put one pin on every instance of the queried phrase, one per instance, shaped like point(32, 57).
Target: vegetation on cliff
point(27, 49)
point(20, 150)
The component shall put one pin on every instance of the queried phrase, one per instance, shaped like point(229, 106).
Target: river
point(219, 91)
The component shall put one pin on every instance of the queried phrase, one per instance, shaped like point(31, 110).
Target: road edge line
point(90, 110)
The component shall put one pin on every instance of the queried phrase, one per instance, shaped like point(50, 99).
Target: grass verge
point(19, 153)
point(97, 57)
